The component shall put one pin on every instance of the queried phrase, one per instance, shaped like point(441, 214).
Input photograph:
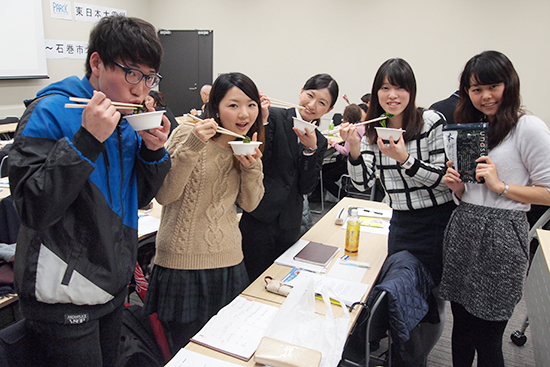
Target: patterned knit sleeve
point(429, 164)
point(184, 148)
point(363, 170)
point(251, 189)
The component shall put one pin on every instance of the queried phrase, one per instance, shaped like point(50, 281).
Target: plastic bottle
point(352, 234)
point(330, 128)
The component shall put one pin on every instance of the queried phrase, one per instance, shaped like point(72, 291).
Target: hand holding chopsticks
point(118, 105)
point(219, 129)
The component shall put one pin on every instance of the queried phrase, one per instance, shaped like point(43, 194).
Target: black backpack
point(138, 346)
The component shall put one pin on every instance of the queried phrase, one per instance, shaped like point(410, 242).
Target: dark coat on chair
point(409, 284)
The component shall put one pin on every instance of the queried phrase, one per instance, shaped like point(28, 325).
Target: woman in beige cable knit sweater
point(199, 260)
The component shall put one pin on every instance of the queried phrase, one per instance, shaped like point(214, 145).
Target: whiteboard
point(22, 54)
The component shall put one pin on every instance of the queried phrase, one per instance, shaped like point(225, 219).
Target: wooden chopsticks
point(220, 129)
point(337, 128)
point(277, 102)
point(118, 105)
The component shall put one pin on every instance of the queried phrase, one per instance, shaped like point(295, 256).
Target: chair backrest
point(351, 191)
point(17, 347)
point(372, 325)
point(540, 223)
point(337, 119)
point(378, 326)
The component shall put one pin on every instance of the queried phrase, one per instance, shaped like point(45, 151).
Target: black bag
point(138, 346)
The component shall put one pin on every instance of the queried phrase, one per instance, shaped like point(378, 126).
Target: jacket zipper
point(119, 134)
point(108, 167)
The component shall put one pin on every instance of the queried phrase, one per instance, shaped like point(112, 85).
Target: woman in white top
point(486, 252)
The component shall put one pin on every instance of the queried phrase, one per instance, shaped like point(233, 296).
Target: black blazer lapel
point(291, 135)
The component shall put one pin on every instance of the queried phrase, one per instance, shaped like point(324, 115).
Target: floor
point(514, 356)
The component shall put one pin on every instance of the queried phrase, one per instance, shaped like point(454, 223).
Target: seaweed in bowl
point(246, 139)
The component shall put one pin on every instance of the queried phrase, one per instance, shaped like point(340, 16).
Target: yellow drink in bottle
point(352, 234)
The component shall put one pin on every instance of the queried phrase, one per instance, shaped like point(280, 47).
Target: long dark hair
point(127, 39)
point(221, 85)
point(491, 67)
point(399, 73)
point(158, 97)
point(321, 81)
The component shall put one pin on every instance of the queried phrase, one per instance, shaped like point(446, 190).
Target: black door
point(186, 67)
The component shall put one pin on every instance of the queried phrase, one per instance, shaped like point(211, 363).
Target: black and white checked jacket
point(419, 187)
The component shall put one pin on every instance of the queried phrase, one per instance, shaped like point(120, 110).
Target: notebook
point(316, 253)
point(237, 328)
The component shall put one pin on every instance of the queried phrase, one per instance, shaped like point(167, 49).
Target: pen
point(357, 265)
point(344, 260)
point(379, 213)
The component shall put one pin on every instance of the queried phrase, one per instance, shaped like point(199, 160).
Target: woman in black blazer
point(291, 163)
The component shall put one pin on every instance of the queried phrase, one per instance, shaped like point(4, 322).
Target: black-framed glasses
point(134, 76)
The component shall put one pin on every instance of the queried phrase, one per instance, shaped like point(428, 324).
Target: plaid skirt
point(185, 296)
point(485, 260)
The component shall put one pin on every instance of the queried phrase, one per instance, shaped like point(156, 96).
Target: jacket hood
point(69, 87)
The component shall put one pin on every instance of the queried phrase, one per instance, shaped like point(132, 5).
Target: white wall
point(280, 44)
point(13, 92)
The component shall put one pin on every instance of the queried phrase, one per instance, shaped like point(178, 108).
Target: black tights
point(471, 334)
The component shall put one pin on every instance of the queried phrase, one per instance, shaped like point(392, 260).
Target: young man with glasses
point(78, 177)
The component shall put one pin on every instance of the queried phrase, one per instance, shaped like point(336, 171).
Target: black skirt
point(185, 296)
point(421, 233)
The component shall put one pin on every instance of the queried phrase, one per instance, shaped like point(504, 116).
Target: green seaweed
point(387, 116)
point(246, 139)
point(140, 110)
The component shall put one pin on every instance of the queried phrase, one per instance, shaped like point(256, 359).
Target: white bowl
point(386, 132)
point(301, 125)
point(241, 148)
point(145, 120)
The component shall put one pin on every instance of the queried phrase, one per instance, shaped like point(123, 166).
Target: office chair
point(17, 347)
point(347, 187)
point(337, 119)
point(376, 326)
point(4, 168)
point(518, 337)
point(398, 303)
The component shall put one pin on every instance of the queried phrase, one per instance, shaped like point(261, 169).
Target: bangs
point(399, 77)
point(486, 77)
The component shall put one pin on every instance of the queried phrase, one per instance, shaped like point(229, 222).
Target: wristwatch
point(310, 150)
point(408, 163)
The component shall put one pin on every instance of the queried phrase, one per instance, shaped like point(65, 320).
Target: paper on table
point(372, 212)
point(345, 272)
point(147, 224)
point(287, 258)
point(348, 291)
point(188, 358)
point(238, 328)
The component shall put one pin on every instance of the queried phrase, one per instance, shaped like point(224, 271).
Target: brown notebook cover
point(316, 253)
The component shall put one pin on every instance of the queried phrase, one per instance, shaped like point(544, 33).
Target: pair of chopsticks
point(361, 123)
point(118, 105)
point(277, 102)
point(220, 129)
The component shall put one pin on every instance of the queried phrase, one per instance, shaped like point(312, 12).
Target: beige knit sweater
point(199, 227)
